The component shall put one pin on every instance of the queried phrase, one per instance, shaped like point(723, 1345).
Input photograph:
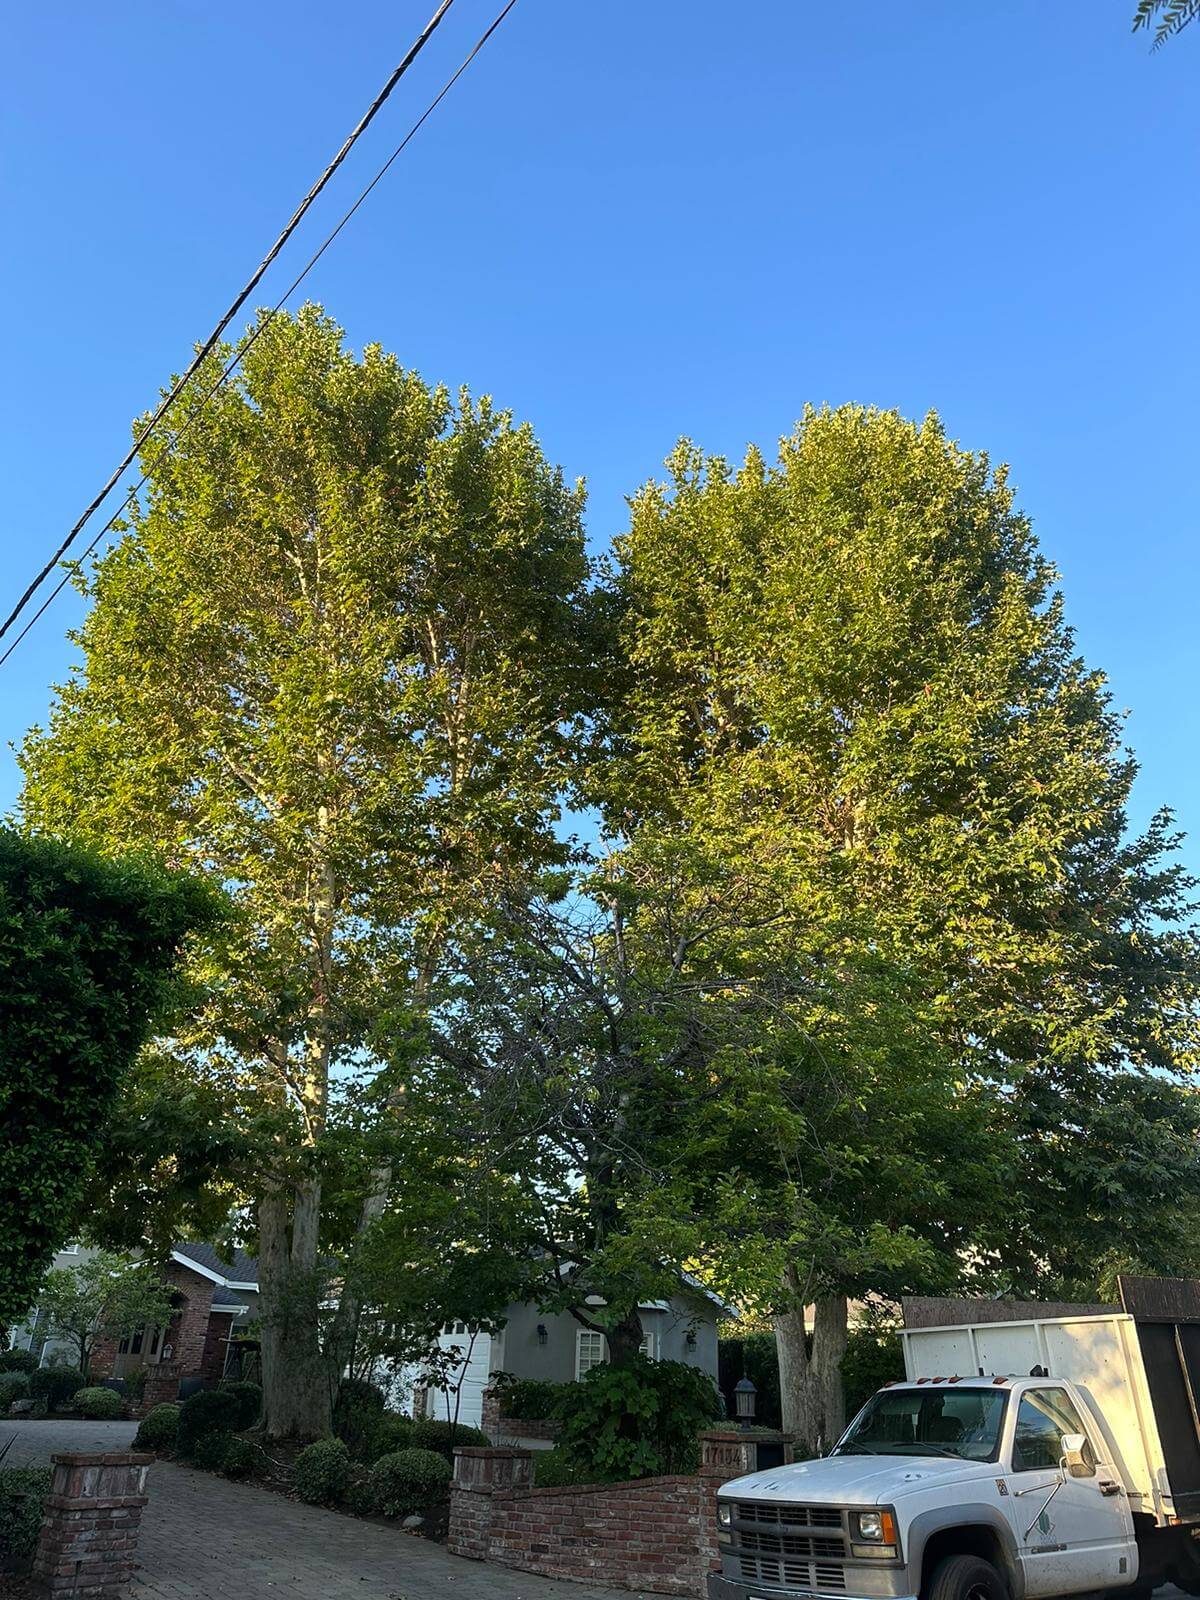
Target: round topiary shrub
point(211, 1450)
point(158, 1428)
point(445, 1437)
point(13, 1386)
point(360, 1495)
point(206, 1411)
point(102, 1405)
point(18, 1361)
point(249, 1399)
point(385, 1435)
point(322, 1472)
point(243, 1459)
point(53, 1386)
point(410, 1482)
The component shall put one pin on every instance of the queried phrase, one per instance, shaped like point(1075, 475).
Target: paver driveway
point(204, 1538)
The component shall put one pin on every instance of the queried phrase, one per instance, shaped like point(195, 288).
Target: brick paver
point(205, 1538)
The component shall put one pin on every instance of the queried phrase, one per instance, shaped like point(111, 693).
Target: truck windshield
point(928, 1422)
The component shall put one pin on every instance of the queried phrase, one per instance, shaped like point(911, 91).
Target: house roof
point(240, 1272)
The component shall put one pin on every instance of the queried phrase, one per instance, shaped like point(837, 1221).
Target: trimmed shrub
point(360, 1496)
point(322, 1472)
point(386, 1434)
point(102, 1405)
point(243, 1459)
point(359, 1407)
point(18, 1361)
point(13, 1386)
point(211, 1450)
point(410, 1482)
point(359, 1395)
point(554, 1469)
point(23, 1492)
point(249, 1399)
point(530, 1399)
point(54, 1386)
point(206, 1411)
point(444, 1437)
point(158, 1428)
point(637, 1420)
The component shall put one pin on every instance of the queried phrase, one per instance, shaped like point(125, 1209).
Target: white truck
point(1030, 1451)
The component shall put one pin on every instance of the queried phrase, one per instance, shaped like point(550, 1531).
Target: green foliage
point(874, 1356)
point(385, 1435)
point(754, 1356)
point(557, 1469)
point(244, 1459)
point(212, 1449)
point(100, 1404)
point(13, 1386)
point(429, 1433)
point(104, 1295)
point(54, 1386)
point(158, 1429)
point(360, 1497)
point(88, 952)
point(249, 1399)
point(357, 1411)
point(18, 1361)
point(1166, 17)
point(205, 1412)
point(529, 1399)
point(410, 1482)
point(322, 1472)
point(637, 1420)
point(23, 1492)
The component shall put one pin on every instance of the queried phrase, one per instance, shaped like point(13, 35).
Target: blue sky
point(639, 219)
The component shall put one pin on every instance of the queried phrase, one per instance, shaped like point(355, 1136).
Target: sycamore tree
point(850, 670)
point(105, 1296)
point(334, 664)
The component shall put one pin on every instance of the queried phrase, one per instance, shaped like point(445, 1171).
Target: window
point(589, 1352)
point(647, 1346)
point(1043, 1416)
point(930, 1422)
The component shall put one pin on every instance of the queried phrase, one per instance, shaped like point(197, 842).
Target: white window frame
point(648, 1346)
point(584, 1339)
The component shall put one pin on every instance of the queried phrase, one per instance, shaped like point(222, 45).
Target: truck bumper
point(720, 1588)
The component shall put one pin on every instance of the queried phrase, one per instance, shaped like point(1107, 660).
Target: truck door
point(1074, 1532)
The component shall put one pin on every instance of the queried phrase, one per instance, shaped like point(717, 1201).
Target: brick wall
point(186, 1334)
point(658, 1534)
point(500, 1427)
point(88, 1542)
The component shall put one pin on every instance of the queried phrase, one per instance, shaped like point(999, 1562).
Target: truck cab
point(952, 1489)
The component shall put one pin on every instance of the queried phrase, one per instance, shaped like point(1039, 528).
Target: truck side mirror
point(1074, 1460)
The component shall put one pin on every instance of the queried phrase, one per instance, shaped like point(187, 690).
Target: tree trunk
point(810, 1385)
point(829, 1346)
point(625, 1339)
point(296, 1401)
point(797, 1392)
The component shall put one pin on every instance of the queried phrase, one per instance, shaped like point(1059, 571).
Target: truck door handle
point(1108, 1487)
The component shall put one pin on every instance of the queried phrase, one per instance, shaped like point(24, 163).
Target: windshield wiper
point(857, 1450)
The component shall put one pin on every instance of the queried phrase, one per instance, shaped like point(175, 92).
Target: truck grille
point(774, 1513)
point(824, 1577)
point(791, 1544)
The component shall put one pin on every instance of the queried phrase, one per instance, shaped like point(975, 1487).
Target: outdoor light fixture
point(744, 1396)
point(690, 1341)
point(543, 1336)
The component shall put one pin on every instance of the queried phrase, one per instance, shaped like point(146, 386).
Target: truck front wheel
point(966, 1578)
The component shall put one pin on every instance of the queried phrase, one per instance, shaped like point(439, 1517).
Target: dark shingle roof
point(241, 1268)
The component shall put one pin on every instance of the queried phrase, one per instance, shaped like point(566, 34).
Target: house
point(555, 1347)
point(216, 1300)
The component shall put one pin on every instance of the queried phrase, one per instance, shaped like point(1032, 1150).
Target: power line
point(264, 322)
point(239, 301)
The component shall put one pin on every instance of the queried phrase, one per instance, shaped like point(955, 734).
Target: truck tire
point(966, 1578)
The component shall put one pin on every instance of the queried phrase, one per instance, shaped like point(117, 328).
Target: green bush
point(322, 1472)
point(211, 1450)
point(410, 1482)
point(386, 1434)
point(444, 1437)
point(54, 1386)
point(529, 1399)
point(243, 1459)
point(554, 1469)
point(13, 1386)
point(359, 1407)
point(18, 1361)
point(100, 1404)
point(23, 1491)
point(158, 1428)
point(206, 1411)
point(360, 1496)
point(874, 1356)
point(638, 1419)
point(249, 1399)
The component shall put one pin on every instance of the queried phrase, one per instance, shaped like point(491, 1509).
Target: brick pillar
point(162, 1386)
point(490, 1419)
point(89, 1536)
point(727, 1453)
point(478, 1475)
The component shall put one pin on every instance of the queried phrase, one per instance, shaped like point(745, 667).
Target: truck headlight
point(873, 1534)
point(724, 1513)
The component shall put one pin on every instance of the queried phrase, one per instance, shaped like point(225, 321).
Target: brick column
point(490, 1419)
point(727, 1453)
point(89, 1536)
point(478, 1475)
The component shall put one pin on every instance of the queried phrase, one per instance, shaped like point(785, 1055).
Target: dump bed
point(1138, 1364)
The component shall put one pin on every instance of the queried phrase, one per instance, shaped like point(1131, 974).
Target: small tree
point(106, 1296)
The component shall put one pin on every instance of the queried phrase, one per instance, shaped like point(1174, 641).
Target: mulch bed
point(17, 1588)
